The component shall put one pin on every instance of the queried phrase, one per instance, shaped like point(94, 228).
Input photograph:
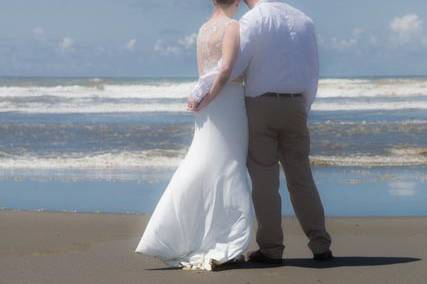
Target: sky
point(156, 38)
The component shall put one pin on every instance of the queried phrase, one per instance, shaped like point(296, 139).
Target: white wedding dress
point(205, 215)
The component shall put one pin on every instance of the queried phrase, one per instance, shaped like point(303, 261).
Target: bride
point(204, 218)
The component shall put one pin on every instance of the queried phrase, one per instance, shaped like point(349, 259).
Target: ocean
point(111, 145)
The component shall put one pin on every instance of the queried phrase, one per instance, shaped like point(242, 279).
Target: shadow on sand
point(350, 261)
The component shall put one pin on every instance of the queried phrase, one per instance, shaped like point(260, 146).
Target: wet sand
point(49, 247)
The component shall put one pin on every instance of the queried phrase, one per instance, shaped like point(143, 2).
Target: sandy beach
point(50, 247)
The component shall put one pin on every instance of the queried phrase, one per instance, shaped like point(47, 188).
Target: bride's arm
point(230, 51)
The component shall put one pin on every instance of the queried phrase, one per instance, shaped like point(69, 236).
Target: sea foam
point(169, 96)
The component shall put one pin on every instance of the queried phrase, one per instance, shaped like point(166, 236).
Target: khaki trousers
point(278, 133)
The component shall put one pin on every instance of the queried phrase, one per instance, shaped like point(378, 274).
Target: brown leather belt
point(280, 95)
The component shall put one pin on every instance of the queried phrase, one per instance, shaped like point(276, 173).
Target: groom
point(279, 60)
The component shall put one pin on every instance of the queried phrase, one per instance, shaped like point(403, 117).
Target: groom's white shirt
point(278, 53)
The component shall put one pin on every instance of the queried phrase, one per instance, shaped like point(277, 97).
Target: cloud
point(407, 29)
point(188, 41)
point(176, 47)
point(410, 23)
point(66, 43)
point(131, 44)
point(405, 34)
point(165, 49)
point(343, 44)
point(39, 33)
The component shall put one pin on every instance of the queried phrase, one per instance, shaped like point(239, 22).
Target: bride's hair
point(224, 2)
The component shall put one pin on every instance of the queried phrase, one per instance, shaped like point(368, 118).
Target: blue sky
point(156, 37)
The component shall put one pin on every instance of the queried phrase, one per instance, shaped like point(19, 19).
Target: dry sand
point(61, 248)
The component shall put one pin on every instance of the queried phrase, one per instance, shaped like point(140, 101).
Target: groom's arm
point(247, 49)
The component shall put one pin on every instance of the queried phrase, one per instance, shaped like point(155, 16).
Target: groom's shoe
point(323, 256)
point(215, 266)
point(259, 257)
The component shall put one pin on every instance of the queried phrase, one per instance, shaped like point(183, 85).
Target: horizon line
point(195, 77)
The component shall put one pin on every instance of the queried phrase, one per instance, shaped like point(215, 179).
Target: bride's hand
point(205, 101)
point(191, 104)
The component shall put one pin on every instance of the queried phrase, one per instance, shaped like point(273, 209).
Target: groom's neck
point(251, 3)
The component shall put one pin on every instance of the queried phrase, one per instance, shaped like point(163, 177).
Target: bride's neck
point(221, 11)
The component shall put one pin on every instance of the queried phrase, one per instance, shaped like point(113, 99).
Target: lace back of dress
point(209, 43)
